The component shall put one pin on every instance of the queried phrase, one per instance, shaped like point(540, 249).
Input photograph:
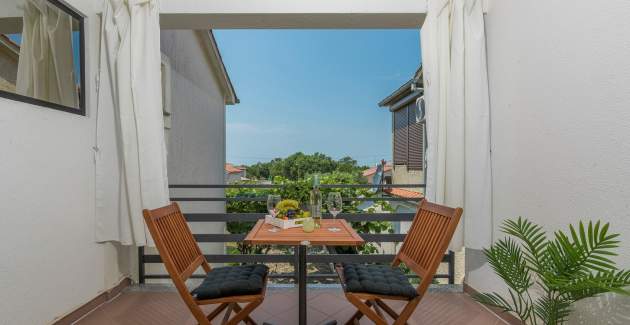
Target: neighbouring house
point(408, 131)
point(196, 90)
point(9, 55)
point(408, 140)
point(235, 173)
point(368, 174)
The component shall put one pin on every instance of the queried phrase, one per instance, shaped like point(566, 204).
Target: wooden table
point(260, 235)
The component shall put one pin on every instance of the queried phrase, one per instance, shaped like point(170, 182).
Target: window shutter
point(401, 136)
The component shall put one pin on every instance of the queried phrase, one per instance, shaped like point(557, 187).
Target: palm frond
point(552, 310)
point(592, 284)
point(506, 259)
point(586, 251)
point(533, 238)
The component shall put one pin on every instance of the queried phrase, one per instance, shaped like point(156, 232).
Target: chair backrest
point(427, 240)
point(177, 246)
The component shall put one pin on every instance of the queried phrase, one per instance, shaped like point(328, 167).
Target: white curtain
point(130, 151)
point(458, 116)
point(45, 68)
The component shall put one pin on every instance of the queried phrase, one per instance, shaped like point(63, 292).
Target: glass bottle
point(316, 202)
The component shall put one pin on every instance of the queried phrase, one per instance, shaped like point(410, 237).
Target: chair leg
point(378, 310)
point(357, 316)
point(226, 316)
point(244, 312)
point(217, 311)
point(387, 308)
point(366, 310)
point(407, 311)
point(199, 314)
point(248, 320)
point(354, 318)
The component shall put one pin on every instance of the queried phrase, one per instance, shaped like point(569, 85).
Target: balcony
point(154, 302)
point(385, 243)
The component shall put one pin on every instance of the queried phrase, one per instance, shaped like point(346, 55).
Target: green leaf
point(507, 260)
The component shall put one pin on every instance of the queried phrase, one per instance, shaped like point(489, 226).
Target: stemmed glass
point(334, 204)
point(272, 202)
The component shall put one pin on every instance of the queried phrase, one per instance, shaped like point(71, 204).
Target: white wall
point(560, 102)
point(49, 262)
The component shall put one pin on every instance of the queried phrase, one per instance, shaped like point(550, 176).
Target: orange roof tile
point(401, 192)
point(230, 169)
point(372, 171)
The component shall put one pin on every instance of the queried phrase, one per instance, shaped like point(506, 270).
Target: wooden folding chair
point(366, 286)
point(182, 257)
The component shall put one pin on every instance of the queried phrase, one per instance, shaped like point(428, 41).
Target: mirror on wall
point(41, 54)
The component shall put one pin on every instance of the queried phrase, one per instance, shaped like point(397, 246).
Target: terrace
point(151, 301)
point(325, 301)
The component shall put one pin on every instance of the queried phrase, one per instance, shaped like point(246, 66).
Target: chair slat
point(175, 242)
point(427, 240)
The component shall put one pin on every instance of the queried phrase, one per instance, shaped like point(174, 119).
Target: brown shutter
point(416, 137)
point(401, 136)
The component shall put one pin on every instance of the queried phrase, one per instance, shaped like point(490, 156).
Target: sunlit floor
point(157, 306)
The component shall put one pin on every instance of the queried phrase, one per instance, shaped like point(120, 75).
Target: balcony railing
point(144, 258)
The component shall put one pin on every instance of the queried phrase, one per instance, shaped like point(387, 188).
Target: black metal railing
point(449, 258)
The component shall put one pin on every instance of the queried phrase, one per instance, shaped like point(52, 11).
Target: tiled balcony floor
point(156, 307)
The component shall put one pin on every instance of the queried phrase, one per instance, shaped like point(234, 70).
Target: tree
point(346, 165)
point(299, 165)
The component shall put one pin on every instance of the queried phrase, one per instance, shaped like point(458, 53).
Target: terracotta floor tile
point(329, 304)
point(280, 308)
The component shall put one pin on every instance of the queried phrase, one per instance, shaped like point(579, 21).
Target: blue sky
point(314, 91)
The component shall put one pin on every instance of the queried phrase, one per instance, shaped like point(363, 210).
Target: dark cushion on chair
point(232, 281)
point(377, 279)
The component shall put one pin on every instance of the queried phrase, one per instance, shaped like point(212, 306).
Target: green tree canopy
point(299, 166)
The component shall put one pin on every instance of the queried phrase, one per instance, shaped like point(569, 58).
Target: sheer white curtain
point(458, 116)
point(130, 151)
point(45, 68)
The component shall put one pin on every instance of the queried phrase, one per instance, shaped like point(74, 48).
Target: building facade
point(408, 132)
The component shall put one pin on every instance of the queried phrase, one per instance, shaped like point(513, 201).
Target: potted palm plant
point(546, 276)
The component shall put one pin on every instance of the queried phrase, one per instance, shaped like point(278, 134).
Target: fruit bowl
point(285, 223)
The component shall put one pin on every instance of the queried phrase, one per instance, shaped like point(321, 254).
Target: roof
point(405, 90)
point(215, 55)
point(7, 43)
point(401, 192)
point(372, 171)
point(231, 169)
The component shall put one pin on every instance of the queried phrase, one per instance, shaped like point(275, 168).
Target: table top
point(347, 236)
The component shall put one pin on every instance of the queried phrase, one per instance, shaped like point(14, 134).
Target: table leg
point(302, 283)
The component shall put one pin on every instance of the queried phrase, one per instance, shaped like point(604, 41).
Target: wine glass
point(272, 202)
point(334, 204)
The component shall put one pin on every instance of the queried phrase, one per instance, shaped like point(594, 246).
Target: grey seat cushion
point(377, 279)
point(232, 281)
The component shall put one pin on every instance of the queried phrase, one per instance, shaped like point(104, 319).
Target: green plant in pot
point(546, 276)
